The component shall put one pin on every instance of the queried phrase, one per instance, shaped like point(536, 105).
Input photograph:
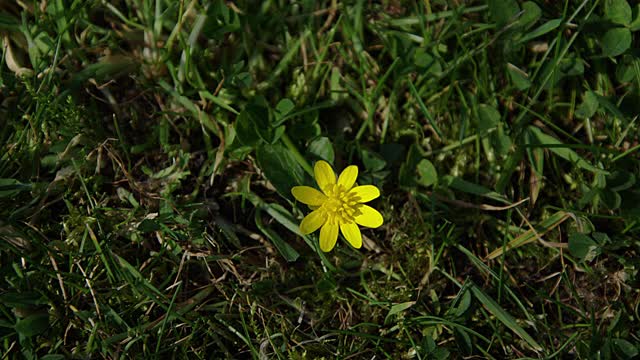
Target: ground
point(148, 149)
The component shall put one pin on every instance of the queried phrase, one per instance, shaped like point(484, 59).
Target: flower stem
point(296, 154)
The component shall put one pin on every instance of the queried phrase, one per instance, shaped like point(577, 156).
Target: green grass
point(148, 148)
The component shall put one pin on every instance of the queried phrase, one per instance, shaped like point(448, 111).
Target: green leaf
point(33, 324)
point(218, 101)
point(635, 24)
point(610, 199)
point(488, 118)
point(13, 299)
point(620, 180)
point(531, 12)
point(535, 154)
point(610, 107)
point(53, 357)
point(589, 105)
point(280, 168)
point(406, 175)
point(426, 61)
point(471, 188)
point(322, 149)
point(583, 247)
point(618, 11)
point(220, 20)
point(283, 216)
point(625, 349)
point(503, 316)
point(398, 308)
point(374, 162)
point(503, 11)
point(563, 152)
point(252, 125)
point(626, 69)
point(464, 305)
point(427, 174)
point(287, 252)
point(615, 42)
point(600, 238)
point(284, 108)
point(463, 341)
point(519, 78)
point(541, 30)
point(12, 187)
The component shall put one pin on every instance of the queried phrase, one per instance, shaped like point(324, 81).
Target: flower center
point(341, 206)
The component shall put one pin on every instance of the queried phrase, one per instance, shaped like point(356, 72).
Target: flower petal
point(365, 193)
point(368, 217)
point(328, 236)
point(348, 177)
point(308, 195)
point(351, 232)
point(313, 221)
point(324, 174)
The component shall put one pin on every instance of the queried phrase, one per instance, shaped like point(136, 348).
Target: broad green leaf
point(583, 247)
point(252, 125)
point(228, 229)
point(503, 11)
point(563, 152)
point(601, 238)
point(107, 68)
point(283, 216)
point(620, 180)
point(625, 349)
point(283, 108)
point(14, 299)
point(218, 101)
point(471, 188)
point(519, 78)
point(289, 253)
point(617, 11)
point(280, 168)
point(463, 341)
point(488, 118)
point(615, 42)
point(220, 19)
point(501, 314)
point(589, 105)
point(610, 199)
point(427, 174)
point(374, 162)
point(635, 24)
point(626, 69)
point(33, 324)
point(397, 308)
point(322, 149)
point(406, 175)
point(423, 59)
point(610, 107)
point(12, 187)
point(531, 12)
point(535, 154)
point(53, 357)
point(464, 305)
point(541, 30)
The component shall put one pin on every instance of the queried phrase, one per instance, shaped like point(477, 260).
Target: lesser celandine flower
point(338, 206)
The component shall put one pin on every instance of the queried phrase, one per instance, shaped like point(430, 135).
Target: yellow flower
point(338, 206)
